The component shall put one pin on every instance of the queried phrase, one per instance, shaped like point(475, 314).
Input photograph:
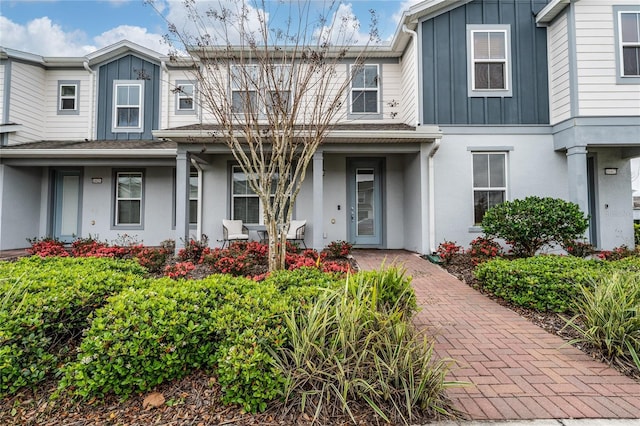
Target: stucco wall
point(615, 208)
point(533, 168)
point(19, 205)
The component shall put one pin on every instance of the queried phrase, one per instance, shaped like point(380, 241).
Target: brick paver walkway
point(518, 370)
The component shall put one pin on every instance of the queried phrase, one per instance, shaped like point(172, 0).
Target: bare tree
point(272, 91)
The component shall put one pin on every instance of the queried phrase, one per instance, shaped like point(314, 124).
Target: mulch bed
point(462, 268)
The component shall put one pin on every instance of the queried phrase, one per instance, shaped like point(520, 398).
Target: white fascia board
point(421, 132)
point(87, 153)
point(10, 128)
point(550, 11)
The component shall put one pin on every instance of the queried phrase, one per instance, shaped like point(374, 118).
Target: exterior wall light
point(610, 170)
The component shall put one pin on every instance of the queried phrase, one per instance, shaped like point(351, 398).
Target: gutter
point(89, 153)
point(92, 83)
point(414, 36)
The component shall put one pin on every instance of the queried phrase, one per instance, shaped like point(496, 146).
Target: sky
point(79, 27)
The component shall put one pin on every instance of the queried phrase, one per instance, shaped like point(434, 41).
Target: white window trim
point(261, 92)
point(117, 199)
point(180, 95)
point(195, 173)
point(620, 77)
point(378, 90)
point(504, 188)
point(119, 129)
point(508, 77)
point(76, 97)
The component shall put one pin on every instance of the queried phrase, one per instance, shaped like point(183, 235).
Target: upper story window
point(627, 28)
point(489, 182)
point(68, 97)
point(128, 106)
point(185, 97)
point(365, 89)
point(489, 60)
point(256, 92)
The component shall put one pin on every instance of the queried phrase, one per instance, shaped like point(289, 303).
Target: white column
point(577, 177)
point(183, 167)
point(318, 195)
point(425, 183)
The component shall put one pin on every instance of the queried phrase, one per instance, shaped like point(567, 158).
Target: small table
point(261, 230)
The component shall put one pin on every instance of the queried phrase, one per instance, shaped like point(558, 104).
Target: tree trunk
point(277, 246)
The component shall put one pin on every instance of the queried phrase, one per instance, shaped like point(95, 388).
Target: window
point(185, 97)
point(364, 89)
point(244, 85)
point(489, 65)
point(194, 181)
point(128, 113)
point(128, 209)
point(68, 97)
point(627, 29)
point(252, 92)
point(489, 182)
point(245, 204)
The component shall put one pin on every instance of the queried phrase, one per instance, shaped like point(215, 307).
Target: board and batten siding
point(409, 86)
point(559, 77)
point(26, 103)
point(444, 66)
point(128, 67)
point(598, 93)
point(68, 127)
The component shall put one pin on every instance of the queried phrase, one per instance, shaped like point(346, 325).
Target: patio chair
point(233, 230)
point(296, 231)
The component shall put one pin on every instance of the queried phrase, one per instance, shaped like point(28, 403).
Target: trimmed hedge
point(45, 303)
point(546, 283)
point(144, 337)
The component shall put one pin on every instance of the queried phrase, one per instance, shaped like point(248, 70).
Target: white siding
point(409, 87)
point(598, 93)
point(67, 127)
point(27, 102)
point(2, 75)
point(391, 90)
point(169, 101)
point(559, 79)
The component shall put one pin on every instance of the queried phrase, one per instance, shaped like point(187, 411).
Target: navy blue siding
point(444, 66)
point(128, 67)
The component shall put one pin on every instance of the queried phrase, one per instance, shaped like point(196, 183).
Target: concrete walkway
point(518, 370)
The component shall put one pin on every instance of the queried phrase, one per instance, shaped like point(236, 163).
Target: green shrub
point(144, 337)
point(545, 283)
point(342, 350)
point(534, 222)
point(636, 233)
point(610, 313)
point(45, 304)
point(390, 288)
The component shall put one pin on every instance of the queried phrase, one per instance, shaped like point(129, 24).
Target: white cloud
point(344, 28)
point(42, 37)
point(404, 5)
point(137, 35)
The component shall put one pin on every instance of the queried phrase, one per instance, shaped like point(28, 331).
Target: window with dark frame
point(489, 182)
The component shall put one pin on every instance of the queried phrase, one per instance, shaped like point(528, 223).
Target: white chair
point(296, 231)
point(233, 230)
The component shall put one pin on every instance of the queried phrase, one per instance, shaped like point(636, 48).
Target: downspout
point(195, 164)
point(92, 113)
point(414, 36)
point(432, 197)
point(434, 148)
point(163, 66)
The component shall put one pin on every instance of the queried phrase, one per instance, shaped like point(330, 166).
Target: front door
point(365, 201)
point(66, 204)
